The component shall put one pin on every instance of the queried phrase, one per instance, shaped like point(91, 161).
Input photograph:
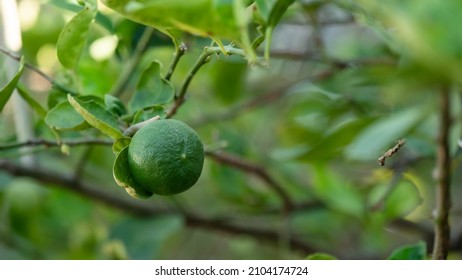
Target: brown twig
point(74, 184)
point(50, 143)
point(263, 234)
point(391, 152)
point(139, 208)
point(251, 168)
point(443, 167)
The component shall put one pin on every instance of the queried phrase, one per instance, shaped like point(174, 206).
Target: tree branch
point(31, 67)
point(178, 54)
point(203, 59)
point(262, 234)
point(136, 207)
point(50, 143)
point(443, 167)
point(36, 70)
point(77, 186)
point(180, 97)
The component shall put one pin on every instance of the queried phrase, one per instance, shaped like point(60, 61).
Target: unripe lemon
point(165, 157)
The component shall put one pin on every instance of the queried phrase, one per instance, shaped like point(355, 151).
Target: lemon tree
point(293, 147)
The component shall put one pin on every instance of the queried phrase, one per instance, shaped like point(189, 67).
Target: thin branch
point(129, 70)
point(261, 234)
point(251, 168)
point(36, 70)
point(139, 208)
point(180, 97)
point(443, 167)
point(178, 54)
point(33, 68)
point(203, 59)
point(50, 143)
point(74, 184)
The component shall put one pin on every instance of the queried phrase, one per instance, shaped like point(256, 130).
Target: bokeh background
point(293, 146)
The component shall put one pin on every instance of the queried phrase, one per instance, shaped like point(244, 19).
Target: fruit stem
point(134, 128)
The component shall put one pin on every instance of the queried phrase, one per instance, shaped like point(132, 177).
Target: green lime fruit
point(165, 157)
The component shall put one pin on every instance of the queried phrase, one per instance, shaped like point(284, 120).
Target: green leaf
point(219, 19)
point(123, 176)
point(96, 115)
point(146, 237)
point(120, 144)
point(152, 89)
point(434, 45)
point(272, 11)
point(56, 95)
point(32, 102)
point(7, 90)
point(410, 252)
point(181, 15)
point(328, 147)
point(228, 79)
point(332, 144)
point(377, 137)
point(114, 105)
point(64, 117)
point(148, 113)
point(320, 256)
point(101, 19)
point(264, 8)
point(72, 39)
point(396, 201)
point(336, 192)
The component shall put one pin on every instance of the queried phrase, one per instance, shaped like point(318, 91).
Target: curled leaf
point(114, 105)
point(120, 144)
point(122, 176)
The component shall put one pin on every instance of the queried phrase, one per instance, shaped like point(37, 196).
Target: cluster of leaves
point(79, 110)
point(301, 137)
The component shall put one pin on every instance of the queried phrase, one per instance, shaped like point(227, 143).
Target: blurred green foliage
point(344, 82)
